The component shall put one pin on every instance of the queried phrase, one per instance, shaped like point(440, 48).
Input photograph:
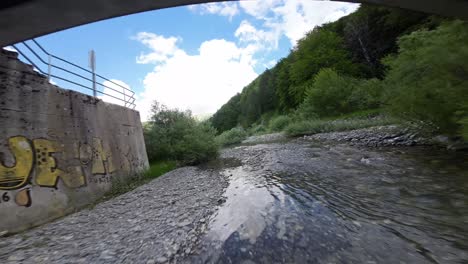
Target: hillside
point(377, 59)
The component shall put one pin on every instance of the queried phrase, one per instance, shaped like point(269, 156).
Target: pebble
point(161, 260)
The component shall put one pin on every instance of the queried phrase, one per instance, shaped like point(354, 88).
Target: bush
point(428, 79)
point(257, 129)
point(175, 135)
point(332, 94)
point(329, 95)
point(234, 136)
point(367, 94)
point(278, 123)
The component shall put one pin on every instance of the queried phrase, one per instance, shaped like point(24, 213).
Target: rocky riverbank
point(375, 136)
point(267, 138)
point(158, 222)
point(392, 135)
point(378, 136)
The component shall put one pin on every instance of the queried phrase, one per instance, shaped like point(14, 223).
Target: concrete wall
point(59, 149)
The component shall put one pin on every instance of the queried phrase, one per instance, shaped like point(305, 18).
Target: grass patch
point(357, 115)
point(155, 170)
point(311, 127)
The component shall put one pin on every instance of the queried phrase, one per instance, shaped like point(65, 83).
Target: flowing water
point(304, 202)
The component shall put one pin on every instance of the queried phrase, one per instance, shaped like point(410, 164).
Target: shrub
point(234, 136)
point(329, 95)
point(428, 79)
point(257, 129)
point(175, 135)
point(367, 94)
point(278, 123)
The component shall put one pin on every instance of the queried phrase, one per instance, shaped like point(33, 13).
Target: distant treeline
point(406, 64)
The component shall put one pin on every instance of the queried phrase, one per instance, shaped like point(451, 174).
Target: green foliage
point(329, 95)
point(366, 94)
point(157, 169)
point(175, 135)
point(257, 129)
point(428, 79)
point(361, 114)
point(371, 33)
point(320, 48)
point(233, 136)
point(250, 109)
point(464, 126)
point(227, 116)
point(310, 127)
point(337, 69)
point(283, 82)
point(278, 123)
point(266, 92)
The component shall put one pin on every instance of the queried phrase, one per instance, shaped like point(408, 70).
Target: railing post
point(92, 65)
point(49, 69)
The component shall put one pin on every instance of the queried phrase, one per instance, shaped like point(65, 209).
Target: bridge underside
point(26, 19)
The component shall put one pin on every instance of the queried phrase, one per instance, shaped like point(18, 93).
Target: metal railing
point(32, 47)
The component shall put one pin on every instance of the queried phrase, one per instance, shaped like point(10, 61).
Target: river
point(308, 202)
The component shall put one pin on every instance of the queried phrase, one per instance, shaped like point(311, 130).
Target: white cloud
point(201, 82)
point(114, 93)
point(297, 17)
point(247, 33)
point(227, 9)
point(258, 9)
point(162, 47)
point(294, 18)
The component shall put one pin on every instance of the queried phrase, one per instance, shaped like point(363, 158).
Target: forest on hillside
point(377, 66)
point(378, 60)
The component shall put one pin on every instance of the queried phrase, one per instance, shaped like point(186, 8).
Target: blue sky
point(193, 57)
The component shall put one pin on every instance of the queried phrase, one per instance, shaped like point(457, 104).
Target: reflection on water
point(300, 203)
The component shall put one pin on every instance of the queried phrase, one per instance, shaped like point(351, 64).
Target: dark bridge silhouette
point(26, 19)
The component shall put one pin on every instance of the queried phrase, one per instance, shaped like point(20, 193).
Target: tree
point(428, 79)
point(319, 49)
point(330, 94)
point(227, 116)
point(175, 135)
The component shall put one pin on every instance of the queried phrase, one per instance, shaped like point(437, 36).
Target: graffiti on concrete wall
point(16, 176)
point(35, 163)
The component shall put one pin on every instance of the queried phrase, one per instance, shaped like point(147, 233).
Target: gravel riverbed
point(155, 223)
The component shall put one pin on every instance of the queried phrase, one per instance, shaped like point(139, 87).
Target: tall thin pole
point(92, 65)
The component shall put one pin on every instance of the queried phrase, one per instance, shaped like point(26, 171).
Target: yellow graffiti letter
point(47, 171)
point(99, 156)
point(16, 176)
